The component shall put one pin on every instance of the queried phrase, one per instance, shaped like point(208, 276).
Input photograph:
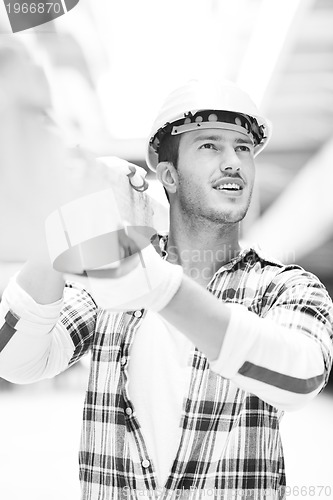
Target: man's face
point(215, 174)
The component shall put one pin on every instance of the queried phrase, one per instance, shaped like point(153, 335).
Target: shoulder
point(291, 286)
point(280, 272)
point(291, 273)
point(257, 266)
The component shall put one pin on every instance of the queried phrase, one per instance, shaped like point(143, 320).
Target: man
point(189, 379)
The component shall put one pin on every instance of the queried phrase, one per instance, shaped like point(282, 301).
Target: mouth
point(229, 186)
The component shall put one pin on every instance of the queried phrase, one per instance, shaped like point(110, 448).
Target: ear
point(167, 174)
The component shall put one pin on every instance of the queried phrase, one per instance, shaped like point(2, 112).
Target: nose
point(230, 161)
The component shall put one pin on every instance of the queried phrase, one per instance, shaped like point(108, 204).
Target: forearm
point(7, 270)
point(41, 282)
point(281, 365)
point(199, 315)
point(38, 278)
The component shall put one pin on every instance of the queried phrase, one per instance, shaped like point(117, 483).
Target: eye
point(208, 145)
point(244, 149)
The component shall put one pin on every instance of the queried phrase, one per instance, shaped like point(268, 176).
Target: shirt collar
point(245, 250)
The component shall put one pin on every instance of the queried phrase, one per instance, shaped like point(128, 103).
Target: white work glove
point(151, 284)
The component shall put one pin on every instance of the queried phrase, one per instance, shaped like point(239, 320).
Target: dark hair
point(168, 151)
point(169, 148)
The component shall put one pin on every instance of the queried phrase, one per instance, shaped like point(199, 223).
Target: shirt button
point(138, 314)
point(129, 411)
point(145, 463)
point(123, 361)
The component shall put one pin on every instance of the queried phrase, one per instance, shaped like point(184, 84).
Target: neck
point(202, 247)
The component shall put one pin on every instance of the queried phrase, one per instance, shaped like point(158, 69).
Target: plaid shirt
point(230, 443)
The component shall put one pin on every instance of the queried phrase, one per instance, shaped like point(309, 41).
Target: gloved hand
point(150, 284)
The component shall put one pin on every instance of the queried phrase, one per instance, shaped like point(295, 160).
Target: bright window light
point(269, 35)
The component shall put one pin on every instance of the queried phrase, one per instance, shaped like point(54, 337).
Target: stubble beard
point(194, 210)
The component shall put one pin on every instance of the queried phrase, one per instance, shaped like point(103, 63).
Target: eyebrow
point(217, 138)
point(246, 140)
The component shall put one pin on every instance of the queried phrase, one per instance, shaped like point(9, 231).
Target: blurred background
point(107, 66)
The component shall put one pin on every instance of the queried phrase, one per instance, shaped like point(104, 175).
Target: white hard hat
point(207, 104)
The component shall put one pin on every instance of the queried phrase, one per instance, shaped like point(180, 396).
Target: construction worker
point(188, 381)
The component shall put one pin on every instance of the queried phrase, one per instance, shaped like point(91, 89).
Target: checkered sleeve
point(39, 341)
point(78, 318)
point(285, 356)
